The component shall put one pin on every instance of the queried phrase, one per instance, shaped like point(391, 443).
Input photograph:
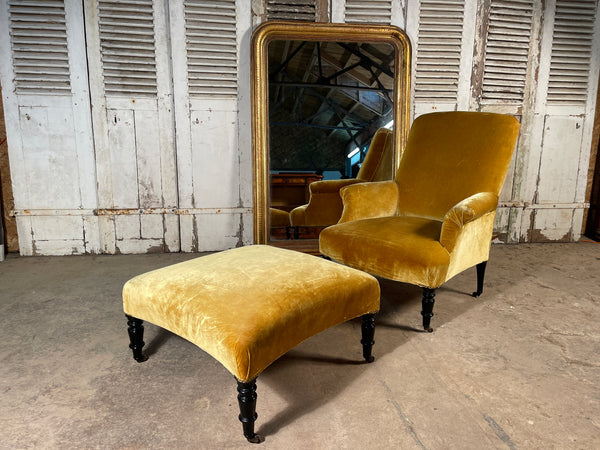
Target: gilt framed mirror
point(320, 92)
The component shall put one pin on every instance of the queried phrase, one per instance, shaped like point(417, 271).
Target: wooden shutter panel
point(39, 47)
point(439, 50)
point(507, 51)
point(571, 52)
point(291, 10)
point(368, 11)
point(127, 47)
point(211, 47)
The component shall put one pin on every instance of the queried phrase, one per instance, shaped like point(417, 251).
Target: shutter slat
point(507, 51)
point(571, 52)
point(127, 47)
point(438, 50)
point(39, 47)
point(369, 11)
point(292, 10)
point(211, 43)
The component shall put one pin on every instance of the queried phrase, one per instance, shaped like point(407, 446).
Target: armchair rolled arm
point(465, 211)
point(367, 200)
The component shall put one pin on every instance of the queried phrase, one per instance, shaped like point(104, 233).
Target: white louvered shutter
point(507, 51)
point(291, 10)
point(127, 47)
point(131, 91)
point(44, 79)
point(571, 52)
point(368, 11)
point(570, 57)
point(39, 47)
point(438, 49)
point(211, 45)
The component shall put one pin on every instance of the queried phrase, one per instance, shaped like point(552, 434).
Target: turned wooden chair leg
point(135, 328)
point(427, 304)
point(368, 333)
point(480, 276)
point(247, 402)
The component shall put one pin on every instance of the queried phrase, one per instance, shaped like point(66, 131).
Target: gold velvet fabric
point(436, 218)
point(325, 205)
point(367, 200)
point(248, 306)
point(279, 218)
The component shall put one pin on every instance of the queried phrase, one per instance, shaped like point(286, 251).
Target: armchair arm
point(330, 186)
point(324, 206)
point(467, 210)
point(366, 200)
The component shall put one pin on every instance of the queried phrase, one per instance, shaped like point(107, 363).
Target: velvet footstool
point(248, 306)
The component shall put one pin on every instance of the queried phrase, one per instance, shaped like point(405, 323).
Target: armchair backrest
point(450, 156)
point(379, 161)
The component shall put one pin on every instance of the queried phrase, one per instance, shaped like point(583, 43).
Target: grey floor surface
point(518, 368)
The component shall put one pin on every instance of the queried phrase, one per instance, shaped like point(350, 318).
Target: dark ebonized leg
point(368, 332)
point(480, 275)
point(247, 401)
point(427, 312)
point(135, 328)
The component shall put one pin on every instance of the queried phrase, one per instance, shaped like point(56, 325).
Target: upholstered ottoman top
point(248, 306)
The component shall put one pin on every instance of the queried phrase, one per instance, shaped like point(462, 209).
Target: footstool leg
point(247, 401)
point(427, 303)
point(135, 328)
point(368, 332)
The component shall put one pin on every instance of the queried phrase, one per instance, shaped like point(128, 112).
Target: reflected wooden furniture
point(290, 190)
point(220, 303)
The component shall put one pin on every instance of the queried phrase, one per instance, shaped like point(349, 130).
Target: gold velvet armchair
point(324, 207)
point(436, 218)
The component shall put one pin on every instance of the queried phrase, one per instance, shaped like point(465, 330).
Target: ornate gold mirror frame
point(309, 31)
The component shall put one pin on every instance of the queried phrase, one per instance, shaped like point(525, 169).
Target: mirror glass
point(325, 100)
point(320, 93)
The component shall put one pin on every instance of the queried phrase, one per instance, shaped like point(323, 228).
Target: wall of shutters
point(137, 70)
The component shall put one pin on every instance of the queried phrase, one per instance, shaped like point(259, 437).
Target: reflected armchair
point(436, 218)
point(324, 207)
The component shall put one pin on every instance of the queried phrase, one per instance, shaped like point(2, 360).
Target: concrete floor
point(517, 368)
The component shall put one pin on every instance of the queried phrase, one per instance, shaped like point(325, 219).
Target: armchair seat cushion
point(401, 248)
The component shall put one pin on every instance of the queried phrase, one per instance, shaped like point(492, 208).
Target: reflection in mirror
point(326, 101)
point(322, 97)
